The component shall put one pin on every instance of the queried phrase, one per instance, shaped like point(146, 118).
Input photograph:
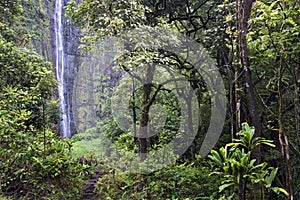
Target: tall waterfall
point(60, 69)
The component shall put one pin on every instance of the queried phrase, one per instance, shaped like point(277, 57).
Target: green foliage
point(241, 172)
point(4, 198)
point(125, 141)
point(273, 42)
point(105, 18)
point(174, 182)
point(25, 72)
point(20, 20)
point(183, 181)
point(88, 144)
point(35, 163)
point(113, 186)
point(28, 171)
point(247, 140)
point(274, 53)
point(111, 129)
point(276, 30)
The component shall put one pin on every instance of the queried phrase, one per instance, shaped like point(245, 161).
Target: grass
point(88, 148)
point(89, 144)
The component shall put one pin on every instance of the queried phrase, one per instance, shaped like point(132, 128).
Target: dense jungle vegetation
point(256, 48)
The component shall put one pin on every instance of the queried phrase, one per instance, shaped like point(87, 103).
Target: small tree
point(241, 172)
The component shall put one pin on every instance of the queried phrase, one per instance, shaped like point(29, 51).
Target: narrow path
point(88, 190)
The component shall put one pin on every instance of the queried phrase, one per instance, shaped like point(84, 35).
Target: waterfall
point(60, 69)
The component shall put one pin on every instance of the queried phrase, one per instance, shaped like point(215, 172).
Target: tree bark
point(233, 96)
point(283, 139)
point(190, 129)
point(144, 118)
point(134, 113)
point(237, 99)
point(243, 16)
point(297, 101)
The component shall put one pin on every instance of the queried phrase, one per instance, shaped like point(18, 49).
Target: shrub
point(174, 182)
point(35, 163)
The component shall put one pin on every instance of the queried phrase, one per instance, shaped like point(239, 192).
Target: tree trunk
point(244, 11)
point(134, 113)
point(233, 106)
point(237, 70)
point(144, 119)
point(190, 130)
point(297, 101)
point(283, 139)
point(237, 101)
point(243, 16)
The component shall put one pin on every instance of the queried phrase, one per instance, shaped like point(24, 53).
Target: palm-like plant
point(241, 172)
point(247, 140)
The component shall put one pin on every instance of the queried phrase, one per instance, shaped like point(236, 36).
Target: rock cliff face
point(46, 45)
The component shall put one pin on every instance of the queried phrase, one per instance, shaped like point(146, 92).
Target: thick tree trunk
point(144, 119)
point(243, 16)
point(244, 10)
point(143, 132)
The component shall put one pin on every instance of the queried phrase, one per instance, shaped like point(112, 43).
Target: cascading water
point(60, 69)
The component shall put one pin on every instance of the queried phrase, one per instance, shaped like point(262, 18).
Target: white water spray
point(60, 66)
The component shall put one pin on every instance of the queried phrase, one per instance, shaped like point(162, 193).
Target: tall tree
point(243, 15)
point(275, 42)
